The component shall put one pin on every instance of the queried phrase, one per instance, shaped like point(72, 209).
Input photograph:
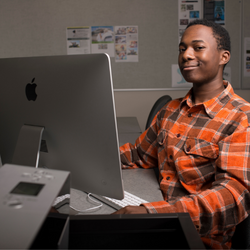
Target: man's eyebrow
point(197, 41)
point(181, 44)
point(194, 41)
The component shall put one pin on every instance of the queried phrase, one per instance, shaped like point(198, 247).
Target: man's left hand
point(132, 210)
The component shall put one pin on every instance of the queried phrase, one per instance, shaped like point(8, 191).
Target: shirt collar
point(214, 105)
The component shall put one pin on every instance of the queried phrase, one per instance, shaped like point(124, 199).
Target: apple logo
point(30, 91)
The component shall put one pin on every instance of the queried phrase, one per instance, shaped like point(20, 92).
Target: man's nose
point(188, 54)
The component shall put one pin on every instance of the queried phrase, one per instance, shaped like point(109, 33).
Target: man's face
point(199, 59)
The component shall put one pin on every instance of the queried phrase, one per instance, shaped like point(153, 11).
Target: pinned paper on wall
point(102, 40)
point(187, 12)
point(78, 40)
point(178, 80)
point(214, 10)
point(126, 43)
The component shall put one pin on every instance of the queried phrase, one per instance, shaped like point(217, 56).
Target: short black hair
point(220, 33)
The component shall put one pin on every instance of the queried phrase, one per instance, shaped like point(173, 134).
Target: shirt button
point(168, 178)
point(171, 157)
point(178, 135)
point(188, 149)
point(189, 115)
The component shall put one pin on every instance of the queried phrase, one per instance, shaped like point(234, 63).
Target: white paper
point(78, 40)
point(178, 80)
point(126, 44)
point(102, 40)
point(187, 12)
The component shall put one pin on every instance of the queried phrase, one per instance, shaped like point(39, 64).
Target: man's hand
point(132, 210)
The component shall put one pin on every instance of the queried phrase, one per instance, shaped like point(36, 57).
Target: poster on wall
point(188, 11)
point(102, 40)
point(214, 10)
point(126, 43)
point(78, 40)
point(246, 57)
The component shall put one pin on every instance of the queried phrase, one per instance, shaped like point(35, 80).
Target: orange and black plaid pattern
point(203, 156)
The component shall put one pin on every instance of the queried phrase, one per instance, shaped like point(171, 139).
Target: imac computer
point(58, 112)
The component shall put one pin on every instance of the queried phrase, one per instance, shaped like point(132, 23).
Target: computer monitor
point(67, 103)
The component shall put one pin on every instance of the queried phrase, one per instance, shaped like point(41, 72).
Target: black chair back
point(157, 106)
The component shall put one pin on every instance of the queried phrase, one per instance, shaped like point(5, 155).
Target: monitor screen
point(60, 110)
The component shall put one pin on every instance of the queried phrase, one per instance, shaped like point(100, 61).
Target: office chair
point(241, 237)
point(157, 106)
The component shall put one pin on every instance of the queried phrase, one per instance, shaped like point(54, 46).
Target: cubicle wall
point(37, 28)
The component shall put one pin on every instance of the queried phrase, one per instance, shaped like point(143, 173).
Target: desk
point(127, 137)
point(128, 125)
point(140, 182)
point(128, 130)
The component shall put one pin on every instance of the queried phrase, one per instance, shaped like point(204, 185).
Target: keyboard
point(61, 201)
point(129, 199)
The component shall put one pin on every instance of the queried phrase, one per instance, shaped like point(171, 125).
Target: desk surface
point(128, 125)
point(140, 182)
point(128, 130)
point(127, 137)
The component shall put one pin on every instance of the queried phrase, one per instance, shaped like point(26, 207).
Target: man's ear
point(225, 57)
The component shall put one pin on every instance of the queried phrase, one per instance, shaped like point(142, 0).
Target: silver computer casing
point(26, 197)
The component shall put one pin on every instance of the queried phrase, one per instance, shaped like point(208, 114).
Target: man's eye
point(181, 49)
point(199, 48)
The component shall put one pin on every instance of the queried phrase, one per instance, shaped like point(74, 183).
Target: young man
point(200, 143)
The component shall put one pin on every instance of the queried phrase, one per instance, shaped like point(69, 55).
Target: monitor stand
point(28, 145)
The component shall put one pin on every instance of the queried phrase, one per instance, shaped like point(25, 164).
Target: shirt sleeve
point(143, 154)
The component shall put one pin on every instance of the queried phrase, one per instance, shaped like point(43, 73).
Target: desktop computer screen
point(60, 110)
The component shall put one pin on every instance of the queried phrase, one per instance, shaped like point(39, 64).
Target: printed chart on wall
point(78, 40)
point(102, 40)
point(126, 43)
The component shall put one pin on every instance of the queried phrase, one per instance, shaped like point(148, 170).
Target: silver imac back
point(67, 103)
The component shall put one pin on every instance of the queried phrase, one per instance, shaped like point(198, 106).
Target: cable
point(88, 209)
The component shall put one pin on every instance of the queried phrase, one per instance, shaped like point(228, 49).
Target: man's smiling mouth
point(190, 66)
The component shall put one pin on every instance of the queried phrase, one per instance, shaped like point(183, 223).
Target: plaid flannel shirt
point(203, 155)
